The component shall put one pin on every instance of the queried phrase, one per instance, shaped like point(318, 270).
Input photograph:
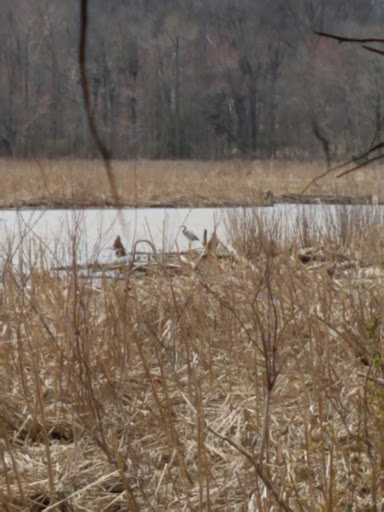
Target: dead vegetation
point(83, 183)
point(250, 383)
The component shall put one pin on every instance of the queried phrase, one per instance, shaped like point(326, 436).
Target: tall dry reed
point(81, 183)
point(250, 382)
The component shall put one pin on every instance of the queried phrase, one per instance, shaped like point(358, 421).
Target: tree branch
point(91, 119)
point(342, 39)
point(366, 155)
point(374, 50)
point(259, 471)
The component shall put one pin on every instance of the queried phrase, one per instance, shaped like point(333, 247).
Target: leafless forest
point(244, 375)
point(181, 79)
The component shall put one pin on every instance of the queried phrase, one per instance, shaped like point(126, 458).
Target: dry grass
point(188, 183)
point(254, 383)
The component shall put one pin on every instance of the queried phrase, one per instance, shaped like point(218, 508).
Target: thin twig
point(374, 50)
point(342, 39)
point(260, 473)
point(363, 164)
point(91, 119)
point(380, 145)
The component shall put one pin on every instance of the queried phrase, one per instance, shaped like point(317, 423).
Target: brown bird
point(119, 248)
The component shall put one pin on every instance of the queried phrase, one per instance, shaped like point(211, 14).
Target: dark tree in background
point(197, 79)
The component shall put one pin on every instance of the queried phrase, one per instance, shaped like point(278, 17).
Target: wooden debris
point(144, 261)
point(322, 199)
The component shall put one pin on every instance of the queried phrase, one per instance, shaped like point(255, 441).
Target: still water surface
point(96, 229)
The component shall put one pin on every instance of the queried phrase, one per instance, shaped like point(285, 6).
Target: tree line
point(180, 79)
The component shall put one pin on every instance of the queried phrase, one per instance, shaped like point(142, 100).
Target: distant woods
point(200, 79)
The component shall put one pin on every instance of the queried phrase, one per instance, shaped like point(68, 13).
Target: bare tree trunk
point(133, 69)
point(177, 99)
point(324, 142)
point(252, 111)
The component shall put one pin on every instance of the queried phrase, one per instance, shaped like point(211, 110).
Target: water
point(93, 231)
point(90, 233)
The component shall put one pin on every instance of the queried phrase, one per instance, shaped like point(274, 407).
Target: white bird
point(190, 235)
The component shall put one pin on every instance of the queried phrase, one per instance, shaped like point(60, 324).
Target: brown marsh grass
point(178, 183)
point(249, 383)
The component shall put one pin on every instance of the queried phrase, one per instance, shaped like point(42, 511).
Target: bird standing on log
point(190, 235)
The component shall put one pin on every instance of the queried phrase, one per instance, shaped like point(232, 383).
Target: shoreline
point(271, 200)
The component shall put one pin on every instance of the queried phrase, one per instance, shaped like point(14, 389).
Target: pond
point(92, 231)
